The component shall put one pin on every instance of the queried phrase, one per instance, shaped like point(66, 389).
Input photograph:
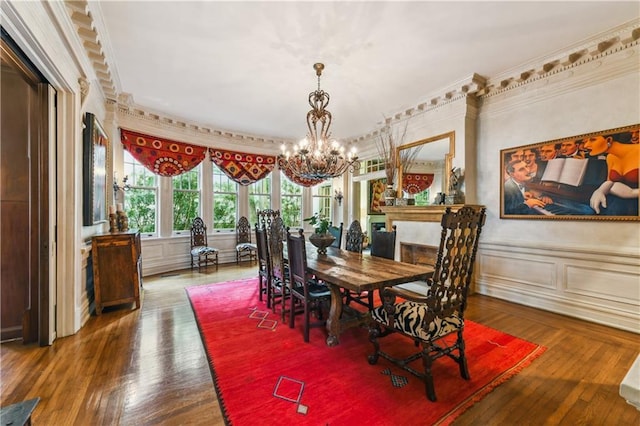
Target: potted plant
point(321, 238)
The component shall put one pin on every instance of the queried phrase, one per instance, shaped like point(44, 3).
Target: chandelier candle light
point(318, 156)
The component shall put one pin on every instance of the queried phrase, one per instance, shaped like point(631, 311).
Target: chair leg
point(374, 333)
point(267, 284)
point(462, 358)
point(428, 378)
point(292, 313)
point(306, 321)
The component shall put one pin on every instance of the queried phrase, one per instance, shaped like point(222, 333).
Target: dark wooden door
point(24, 202)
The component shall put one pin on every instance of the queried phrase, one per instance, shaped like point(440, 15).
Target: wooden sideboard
point(117, 267)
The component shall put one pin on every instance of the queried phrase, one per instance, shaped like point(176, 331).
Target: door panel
point(14, 199)
point(24, 304)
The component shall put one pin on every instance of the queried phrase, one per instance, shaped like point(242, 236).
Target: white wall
point(588, 269)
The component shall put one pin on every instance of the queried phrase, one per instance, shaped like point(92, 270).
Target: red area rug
point(265, 374)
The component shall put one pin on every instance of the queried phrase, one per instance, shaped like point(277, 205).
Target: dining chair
point(354, 237)
point(383, 243)
point(336, 231)
point(353, 243)
point(278, 291)
point(264, 264)
point(427, 320)
point(244, 247)
point(266, 216)
point(307, 294)
point(200, 249)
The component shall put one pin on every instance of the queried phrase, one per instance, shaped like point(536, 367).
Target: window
point(422, 198)
point(225, 201)
point(141, 200)
point(259, 198)
point(291, 203)
point(322, 200)
point(370, 166)
point(186, 199)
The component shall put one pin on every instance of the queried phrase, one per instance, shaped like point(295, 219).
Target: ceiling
point(248, 66)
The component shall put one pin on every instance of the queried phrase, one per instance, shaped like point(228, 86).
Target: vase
point(322, 241)
point(389, 196)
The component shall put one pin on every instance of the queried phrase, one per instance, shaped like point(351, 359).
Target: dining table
point(358, 272)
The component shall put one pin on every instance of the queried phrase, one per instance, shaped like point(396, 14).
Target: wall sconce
point(125, 185)
point(338, 197)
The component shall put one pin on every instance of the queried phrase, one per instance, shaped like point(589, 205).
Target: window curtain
point(296, 179)
point(163, 157)
point(415, 183)
point(242, 168)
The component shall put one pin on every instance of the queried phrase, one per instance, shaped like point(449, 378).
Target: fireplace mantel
point(416, 213)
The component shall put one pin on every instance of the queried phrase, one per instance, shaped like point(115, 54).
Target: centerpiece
point(321, 237)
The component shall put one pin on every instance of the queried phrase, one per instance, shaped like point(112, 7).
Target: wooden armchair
point(307, 294)
point(279, 277)
point(264, 264)
point(353, 243)
point(200, 249)
point(354, 238)
point(244, 247)
point(425, 320)
point(266, 216)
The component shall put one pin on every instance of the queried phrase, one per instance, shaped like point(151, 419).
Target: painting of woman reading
point(592, 176)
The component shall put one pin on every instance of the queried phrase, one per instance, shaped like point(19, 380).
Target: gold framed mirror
point(434, 155)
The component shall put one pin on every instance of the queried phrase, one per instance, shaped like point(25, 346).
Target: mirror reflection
point(423, 168)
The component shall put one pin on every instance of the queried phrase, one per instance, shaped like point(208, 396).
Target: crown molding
point(620, 38)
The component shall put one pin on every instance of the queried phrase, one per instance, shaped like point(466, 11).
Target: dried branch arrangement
point(387, 143)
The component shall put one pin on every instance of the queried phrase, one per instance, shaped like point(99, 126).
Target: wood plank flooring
point(148, 366)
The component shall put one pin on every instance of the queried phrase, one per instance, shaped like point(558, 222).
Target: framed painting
point(95, 150)
point(376, 195)
point(593, 176)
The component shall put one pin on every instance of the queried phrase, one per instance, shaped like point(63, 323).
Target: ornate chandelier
point(317, 156)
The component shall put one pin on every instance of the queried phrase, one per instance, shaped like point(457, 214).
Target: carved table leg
point(333, 322)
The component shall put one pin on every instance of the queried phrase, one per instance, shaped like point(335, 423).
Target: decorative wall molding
point(618, 39)
point(475, 85)
point(592, 283)
point(91, 41)
point(604, 69)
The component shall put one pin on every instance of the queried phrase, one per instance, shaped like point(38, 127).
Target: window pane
point(422, 199)
point(322, 200)
point(141, 200)
point(259, 198)
point(291, 203)
point(225, 201)
point(186, 199)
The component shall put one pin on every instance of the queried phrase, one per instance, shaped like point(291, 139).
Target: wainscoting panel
point(160, 255)
point(621, 283)
point(517, 270)
point(597, 284)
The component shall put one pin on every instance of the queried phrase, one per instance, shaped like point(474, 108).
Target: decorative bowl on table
point(322, 241)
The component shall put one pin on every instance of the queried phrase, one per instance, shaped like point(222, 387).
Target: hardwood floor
point(148, 366)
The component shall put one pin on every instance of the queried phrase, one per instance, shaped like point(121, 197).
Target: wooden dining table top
point(361, 272)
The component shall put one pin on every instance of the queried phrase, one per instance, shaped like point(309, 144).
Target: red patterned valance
point(163, 157)
point(242, 168)
point(296, 179)
point(415, 183)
